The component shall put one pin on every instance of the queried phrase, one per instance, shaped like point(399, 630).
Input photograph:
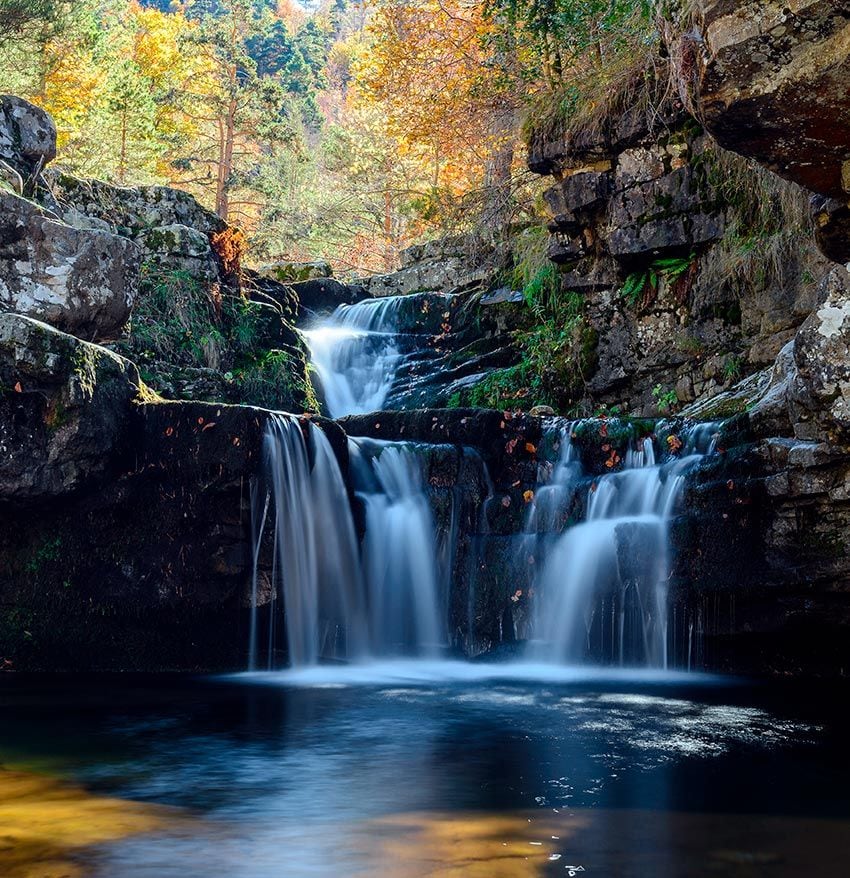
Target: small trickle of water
point(356, 355)
point(604, 584)
point(399, 550)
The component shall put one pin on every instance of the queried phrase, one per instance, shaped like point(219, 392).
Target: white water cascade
point(399, 550)
point(316, 570)
point(602, 592)
point(356, 356)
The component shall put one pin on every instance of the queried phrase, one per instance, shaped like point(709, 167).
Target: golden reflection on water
point(45, 825)
point(626, 844)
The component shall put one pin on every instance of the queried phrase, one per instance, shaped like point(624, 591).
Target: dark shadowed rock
point(323, 296)
point(773, 86)
point(832, 227)
point(64, 407)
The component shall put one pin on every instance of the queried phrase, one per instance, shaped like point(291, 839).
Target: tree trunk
point(227, 127)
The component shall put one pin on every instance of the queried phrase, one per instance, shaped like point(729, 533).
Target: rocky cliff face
point(683, 300)
point(771, 83)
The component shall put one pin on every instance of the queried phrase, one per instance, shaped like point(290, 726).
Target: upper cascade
point(356, 355)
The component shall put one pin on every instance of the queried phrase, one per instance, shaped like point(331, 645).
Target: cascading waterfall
point(603, 588)
point(399, 549)
point(600, 546)
point(316, 565)
point(335, 601)
point(356, 356)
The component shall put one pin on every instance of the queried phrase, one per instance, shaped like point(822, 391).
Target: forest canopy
point(334, 128)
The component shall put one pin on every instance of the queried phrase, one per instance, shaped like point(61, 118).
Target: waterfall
point(356, 356)
point(599, 547)
point(602, 592)
point(316, 571)
point(399, 549)
point(337, 602)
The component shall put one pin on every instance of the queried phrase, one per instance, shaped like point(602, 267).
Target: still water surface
point(421, 770)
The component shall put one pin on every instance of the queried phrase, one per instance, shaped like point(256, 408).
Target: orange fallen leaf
point(18, 388)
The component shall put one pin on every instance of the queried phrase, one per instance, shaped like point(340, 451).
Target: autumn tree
point(240, 114)
point(442, 81)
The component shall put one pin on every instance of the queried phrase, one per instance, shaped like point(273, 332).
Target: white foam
point(428, 673)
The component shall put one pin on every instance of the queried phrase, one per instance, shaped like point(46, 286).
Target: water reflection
point(46, 825)
point(411, 777)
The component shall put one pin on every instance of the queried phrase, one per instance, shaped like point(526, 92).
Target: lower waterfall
point(316, 576)
point(400, 564)
point(600, 546)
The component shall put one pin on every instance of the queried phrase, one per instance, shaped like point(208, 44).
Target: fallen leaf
point(18, 388)
point(528, 496)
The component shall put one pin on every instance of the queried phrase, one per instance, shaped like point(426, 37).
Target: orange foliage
point(230, 245)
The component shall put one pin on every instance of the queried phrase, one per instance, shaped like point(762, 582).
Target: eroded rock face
point(64, 407)
point(822, 356)
point(773, 86)
point(27, 135)
point(82, 281)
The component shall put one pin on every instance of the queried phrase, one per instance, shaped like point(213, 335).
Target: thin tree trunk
point(122, 161)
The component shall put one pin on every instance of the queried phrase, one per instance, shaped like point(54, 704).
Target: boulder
point(125, 210)
point(64, 408)
point(323, 296)
point(27, 135)
point(180, 248)
point(773, 86)
point(82, 281)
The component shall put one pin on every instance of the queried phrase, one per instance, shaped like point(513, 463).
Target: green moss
point(242, 350)
point(47, 551)
point(85, 361)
